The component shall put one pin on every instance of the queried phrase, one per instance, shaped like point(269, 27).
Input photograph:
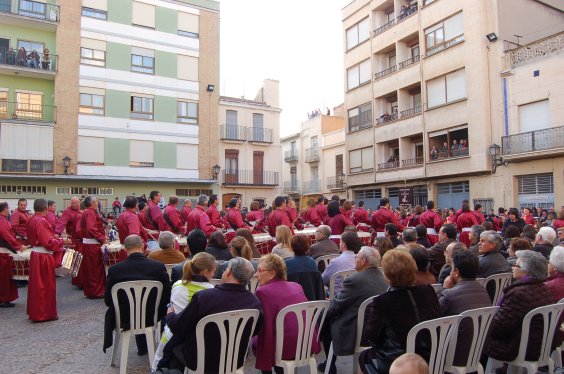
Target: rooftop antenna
point(518, 38)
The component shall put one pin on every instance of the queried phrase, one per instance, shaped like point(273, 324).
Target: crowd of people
point(33, 59)
point(409, 251)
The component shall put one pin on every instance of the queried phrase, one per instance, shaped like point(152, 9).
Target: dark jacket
point(492, 263)
point(502, 342)
point(176, 273)
point(544, 249)
point(437, 256)
point(323, 247)
point(135, 267)
point(520, 223)
point(311, 283)
point(219, 254)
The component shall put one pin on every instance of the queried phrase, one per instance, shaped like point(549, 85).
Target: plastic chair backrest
point(137, 293)
point(501, 281)
point(443, 333)
point(325, 259)
point(437, 287)
point(360, 319)
point(253, 284)
point(169, 269)
point(215, 281)
point(481, 319)
point(310, 317)
point(340, 274)
point(231, 326)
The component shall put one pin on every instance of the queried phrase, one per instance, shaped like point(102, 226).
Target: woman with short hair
point(217, 247)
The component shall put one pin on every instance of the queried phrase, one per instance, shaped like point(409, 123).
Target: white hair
point(547, 234)
point(557, 258)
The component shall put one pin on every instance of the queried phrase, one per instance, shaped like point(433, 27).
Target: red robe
point(185, 213)
point(42, 287)
point(52, 219)
point(94, 273)
point(338, 223)
point(8, 288)
point(176, 223)
point(77, 241)
point(128, 224)
point(278, 217)
point(383, 216)
point(142, 215)
point(155, 219)
point(529, 219)
point(321, 211)
point(465, 220)
point(198, 219)
point(67, 222)
point(361, 216)
point(214, 216)
point(18, 220)
point(479, 217)
point(310, 215)
point(431, 220)
point(234, 220)
point(255, 215)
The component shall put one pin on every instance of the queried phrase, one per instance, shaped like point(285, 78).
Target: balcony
point(538, 49)
point(28, 166)
point(388, 165)
point(453, 153)
point(441, 47)
point(312, 186)
point(233, 132)
point(384, 27)
point(23, 112)
point(259, 135)
point(21, 12)
point(408, 62)
point(383, 73)
point(291, 155)
point(28, 64)
point(312, 154)
point(408, 12)
point(336, 183)
point(385, 118)
point(412, 162)
point(250, 178)
point(291, 187)
point(410, 112)
point(547, 141)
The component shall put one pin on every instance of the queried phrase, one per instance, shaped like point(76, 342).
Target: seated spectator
point(510, 233)
point(447, 267)
point(231, 294)
point(383, 245)
point(217, 247)
point(392, 314)
point(239, 247)
point(195, 277)
point(246, 233)
point(409, 237)
point(517, 244)
point(529, 232)
point(135, 267)
point(410, 363)
point(340, 323)
point(422, 236)
point(555, 280)
point(302, 269)
point(167, 254)
point(435, 153)
point(447, 235)
point(391, 232)
point(474, 237)
point(491, 261)
point(421, 257)
point(275, 293)
point(323, 245)
point(349, 246)
point(197, 242)
point(544, 240)
point(519, 298)
point(283, 247)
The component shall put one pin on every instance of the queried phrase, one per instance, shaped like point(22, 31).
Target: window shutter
point(90, 149)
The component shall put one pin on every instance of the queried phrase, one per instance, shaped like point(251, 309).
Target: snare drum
point(309, 232)
point(365, 238)
point(70, 264)
point(113, 253)
point(21, 264)
point(264, 243)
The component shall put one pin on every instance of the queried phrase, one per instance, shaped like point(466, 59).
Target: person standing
point(128, 223)
point(432, 221)
point(233, 219)
point(154, 214)
point(383, 216)
point(51, 217)
point(361, 215)
point(172, 216)
point(116, 207)
point(464, 223)
point(198, 219)
point(42, 288)
point(278, 216)
point(67, 220)
point(93, 236)
point(18, 220)
point(213, 213)
point(186, 210)
point(310, 214)
point(322, 208)
point(8, 245)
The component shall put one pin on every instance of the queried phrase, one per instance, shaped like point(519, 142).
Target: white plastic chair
point(231, 339)
point(443, 333)
point(437, 287)
point(310, 317)
point(215, 281)
point(340, 274)
point(137, 293)
point(253, 285)
point(481, 320)
point(557, 354)
point(501, 280)
point(551, 315)
point(325, 259)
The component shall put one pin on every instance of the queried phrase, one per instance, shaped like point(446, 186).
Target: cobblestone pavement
point(73, 344)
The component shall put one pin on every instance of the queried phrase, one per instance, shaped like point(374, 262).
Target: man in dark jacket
point(544, 240)
point(491, 261)
point(135, 267)
point(197, 242)
point(447, 235)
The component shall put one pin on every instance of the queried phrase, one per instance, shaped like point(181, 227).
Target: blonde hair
point(196, 265)
point(274, 262)
point(242, 247)
point(399, 268)
point(284, 236)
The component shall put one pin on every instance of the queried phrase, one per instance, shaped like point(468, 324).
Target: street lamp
point(66, 164)
point(215, 170)
point(495, 156)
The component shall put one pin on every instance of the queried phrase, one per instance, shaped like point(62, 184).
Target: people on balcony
point(11, 56)
point(434, 153)
point(393, 158)
point(22, 57)
point(34, 59)
point(46, 59)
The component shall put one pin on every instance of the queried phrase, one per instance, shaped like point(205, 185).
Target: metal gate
point(536, 190)
point(450, 195)
point(371, 198)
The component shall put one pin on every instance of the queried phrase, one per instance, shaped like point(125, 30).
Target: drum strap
point(4, 245)
point(466, 229)
point(90, 241)
point(6, 251)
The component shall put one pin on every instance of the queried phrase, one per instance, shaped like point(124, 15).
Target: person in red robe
point(479, 214)
point(172, 217)
point(464, 223)
point(383, 216)
point(93, 237)
point(432, 221)
point(128, 222)
point(51, 216)
point(322, 207)
point(186, 210)
point(310, 214)
point(154, 214)
point(233, 219)
point(278, 216)
point(18, 220)
point(293, 214)
point(67, 221)
point(256, 214)
point(198, 219)
point(42, 287)
point(335, 219)
point(76, 238)
point(213, 213)
point(142, 213)
point(527, 216)
point(361, 215)
point(8, 245)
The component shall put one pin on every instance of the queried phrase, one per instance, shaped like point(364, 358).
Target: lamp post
point(66, 164)
point(495, 156)
point(215, 170)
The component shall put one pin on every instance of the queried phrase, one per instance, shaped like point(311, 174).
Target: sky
point(297, 42)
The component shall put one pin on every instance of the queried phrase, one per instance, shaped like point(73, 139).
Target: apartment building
point(249, 146)
point(424, 96)
point(135, 92)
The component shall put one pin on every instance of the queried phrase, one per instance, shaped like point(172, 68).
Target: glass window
point(94, 57)
point(447, 88)
point(29, 105)
point(187, 112)
point(358, 33)
point(358, 74)
point(91, 104)
point(143, 64)
point(30, 46)
point(3, 104)
point(94, 13)
point(141, 107)
point(361, 160)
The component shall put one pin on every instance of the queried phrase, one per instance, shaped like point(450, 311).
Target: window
point(188, 25)
point(415, 51)
point(143, 15)
point(361, 160)
point(535, 184)
point(231, 128)
point(314, 142)
point(187, 68)
point(94, 13)
point(444, 34)
point(92, 57)
point(258, 133)
point(187, 112)
point(35, 190)
point(449, 143)
point(446, 89)
point(37, 152)
point(142, 60)
point(192, 192)
point(358, 74)
point(368, 194)
point(391, 60)
point(358, 33)
point(29, 105)
point(187, 156)
point(91, 104)
point(360, 117)
point(3, 104)
point(85, 191)
point(231, 166)
point(534, 116)
point(141, 107)
point(141, 153)
point(90, 150)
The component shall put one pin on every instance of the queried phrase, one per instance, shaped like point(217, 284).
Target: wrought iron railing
point(292, 186)
point(533, 141)
point(291, 155)
point(336, 182)
point(540, 48)
point(31, 9)
point(387, 118)
point(385, 72)
point(409, 61)
point(384, 27)
point(250, 177)
point(312, 154)
point(412, 161)
point(233, 132)
point(312, 186)
point(18, 111)
point(388, 165)
point(259, 135)
point(410, 112)
point(447, 44)
point(28, 59)
point(409, 11)
point(451, 153)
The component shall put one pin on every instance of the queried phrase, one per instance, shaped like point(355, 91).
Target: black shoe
point(142, 353)
point(7, 305)
point(321, 367)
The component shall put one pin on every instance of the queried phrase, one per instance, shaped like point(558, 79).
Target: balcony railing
point(409, 11)
point(312, 186)
point(412, 161)
point(362, 121)
point(452, 153)
point(409, 61)
point(291, 186)
point(385, 118)
point(388, 71)
point(410, 112)
point(336, 183)
point(259, 135)
point(449, 43)
point(388, 165)
point(539, 140)
point(291, 155)
point(27, 112)
point(28, 59)
point(233, 132)
point(31, 9)
point(384, 27)
point(250, 177)
point(540, 48)
point(312, 154)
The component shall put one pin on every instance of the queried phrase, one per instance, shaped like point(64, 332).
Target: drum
point(309, 232)
point(365, 238)
point(363, 227)
point(264, 243)
point(21, 264)
point(113, 253)
point(70, 264)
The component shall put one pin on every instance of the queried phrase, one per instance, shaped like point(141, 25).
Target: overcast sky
point(296, 42)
